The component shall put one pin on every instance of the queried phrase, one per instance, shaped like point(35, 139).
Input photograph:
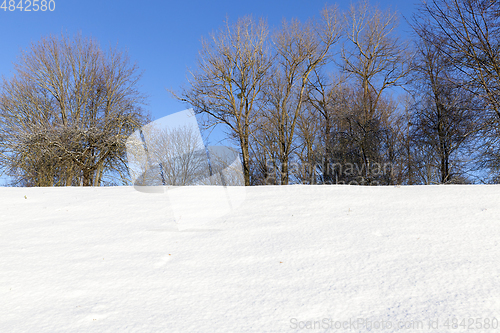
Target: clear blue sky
point(163, 37)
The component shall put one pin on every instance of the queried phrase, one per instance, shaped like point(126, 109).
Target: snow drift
point(288, 259)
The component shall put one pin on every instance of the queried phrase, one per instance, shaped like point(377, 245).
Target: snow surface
point(114, 260)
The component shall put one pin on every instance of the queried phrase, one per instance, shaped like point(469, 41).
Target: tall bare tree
point(376, 59)
point(67, 111)
point(301, 48)
point(233, 68)
point(447, 117)
point(467, 33)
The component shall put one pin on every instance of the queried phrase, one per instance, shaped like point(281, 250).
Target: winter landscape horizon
point(367, 135)
point(300, 258)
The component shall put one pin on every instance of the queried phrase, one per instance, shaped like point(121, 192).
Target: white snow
point(288, 259)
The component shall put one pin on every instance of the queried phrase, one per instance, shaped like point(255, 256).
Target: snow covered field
point(289, 259)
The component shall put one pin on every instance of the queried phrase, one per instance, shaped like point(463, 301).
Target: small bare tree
point(327, 100)
point(263, 154)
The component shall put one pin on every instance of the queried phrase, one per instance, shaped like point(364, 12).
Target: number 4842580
point(28, 5)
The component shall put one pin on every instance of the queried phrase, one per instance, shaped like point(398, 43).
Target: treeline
point(338, 99)
point(342, 99)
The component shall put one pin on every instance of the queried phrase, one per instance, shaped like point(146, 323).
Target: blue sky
point(163, 37)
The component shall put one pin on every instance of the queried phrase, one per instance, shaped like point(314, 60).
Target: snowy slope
point(113, 260)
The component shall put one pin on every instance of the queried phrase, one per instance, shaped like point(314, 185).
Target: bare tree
point(327, 101)
point(377, 60)
point(227, 86)
point(301, 48)
point(263, 154)
point(405, 163)
point(308, 146)
point(67, 111)
point(467, 34)
point(446, 118)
